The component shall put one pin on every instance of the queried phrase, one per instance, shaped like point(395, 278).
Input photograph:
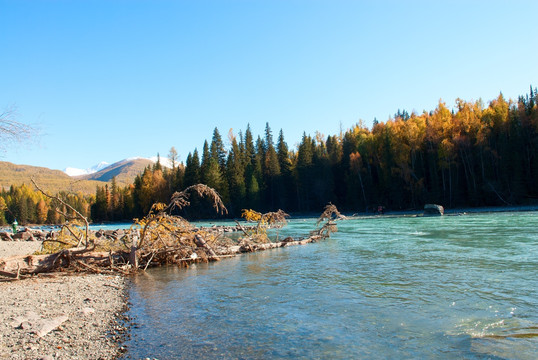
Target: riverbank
point(81, 312)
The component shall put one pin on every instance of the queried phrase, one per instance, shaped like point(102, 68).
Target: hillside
point(50, 180)
point(53, 181)
point(125, 171)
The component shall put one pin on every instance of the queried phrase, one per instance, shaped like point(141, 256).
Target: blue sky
point(108, 80)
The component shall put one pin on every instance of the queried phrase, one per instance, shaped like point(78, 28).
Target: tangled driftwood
point(158, 239)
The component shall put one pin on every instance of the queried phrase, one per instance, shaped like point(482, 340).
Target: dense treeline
point(473, 155)
point(29, 206)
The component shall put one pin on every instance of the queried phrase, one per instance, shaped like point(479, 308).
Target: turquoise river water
point(452, 287)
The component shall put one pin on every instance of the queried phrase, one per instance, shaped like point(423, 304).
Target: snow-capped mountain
point(78, 172)
point(164, 161)
point(71, 171)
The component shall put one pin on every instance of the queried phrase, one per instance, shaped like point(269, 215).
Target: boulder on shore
point(433, 210)
point(25, 235)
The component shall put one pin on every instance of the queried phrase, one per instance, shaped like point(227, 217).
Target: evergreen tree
point(271, 169)
point(99, 208)
point(304, 173)
point(285, 186)
point(236, 179)
point(250, 150)
point(218, 151)
point(157, 165)
point(206, 159)
point(192, 170)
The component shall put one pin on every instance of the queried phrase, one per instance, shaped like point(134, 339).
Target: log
point(35, 264)
point(200, 242)
point(5, 236)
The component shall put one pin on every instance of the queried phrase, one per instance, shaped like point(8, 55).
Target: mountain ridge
point(54, 181)
point(71, 171)
point(124, 171)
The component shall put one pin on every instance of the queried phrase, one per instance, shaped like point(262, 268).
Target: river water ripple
point(452, 287)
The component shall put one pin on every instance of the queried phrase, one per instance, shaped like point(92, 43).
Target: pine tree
point(286, 188)
point(304, 172)
point(192, 170)
point(250, 150)
point(236, 179)
point(218, 151)
point(204, 167)
point(157, 165)
point(271, 168)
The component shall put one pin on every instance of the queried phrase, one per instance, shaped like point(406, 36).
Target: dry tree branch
point(272, 218)
point(56, 241)
point(276, 217)
point(241, 228)
point(180, 199)
point(73, 234)
point(11, 130)
point(330, 212)
point(79, 215)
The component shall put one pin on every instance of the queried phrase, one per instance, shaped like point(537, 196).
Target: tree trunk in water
point(133, 258)
point(200, 242)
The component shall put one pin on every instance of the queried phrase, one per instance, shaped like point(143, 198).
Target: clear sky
point(106, 80)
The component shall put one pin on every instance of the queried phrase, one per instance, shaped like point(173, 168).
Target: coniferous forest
point(470, 156)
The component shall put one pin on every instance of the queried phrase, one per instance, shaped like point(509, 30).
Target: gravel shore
point(80, 312)
point(14, 248)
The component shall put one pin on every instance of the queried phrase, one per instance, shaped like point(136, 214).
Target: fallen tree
point(158, 239)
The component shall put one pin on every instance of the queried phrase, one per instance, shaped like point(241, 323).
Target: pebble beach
point(56, 316)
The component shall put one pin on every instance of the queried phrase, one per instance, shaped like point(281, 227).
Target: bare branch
point(181, 199)
point(79, 215)
point(330, 212)
point(11, 130)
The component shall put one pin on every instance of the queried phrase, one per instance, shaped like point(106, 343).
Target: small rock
point(87, 311)
point(25, 325)
point(49, 325)
point(433, 209)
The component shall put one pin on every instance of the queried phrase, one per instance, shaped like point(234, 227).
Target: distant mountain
point(78, 172)
point(50, 180)
point(53, 181)
point(125, 171)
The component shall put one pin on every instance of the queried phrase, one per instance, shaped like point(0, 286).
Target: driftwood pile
point(156, 240)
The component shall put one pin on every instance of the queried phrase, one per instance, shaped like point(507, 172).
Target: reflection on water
point(447, 287)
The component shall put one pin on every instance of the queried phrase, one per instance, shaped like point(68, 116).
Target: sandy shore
point(87, 306)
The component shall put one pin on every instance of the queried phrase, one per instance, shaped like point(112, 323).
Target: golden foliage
point(265, 221)
point(251, 215)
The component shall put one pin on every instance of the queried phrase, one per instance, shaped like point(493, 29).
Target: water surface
point(444, 288)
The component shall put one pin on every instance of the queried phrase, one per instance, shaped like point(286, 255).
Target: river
point(452, 287)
